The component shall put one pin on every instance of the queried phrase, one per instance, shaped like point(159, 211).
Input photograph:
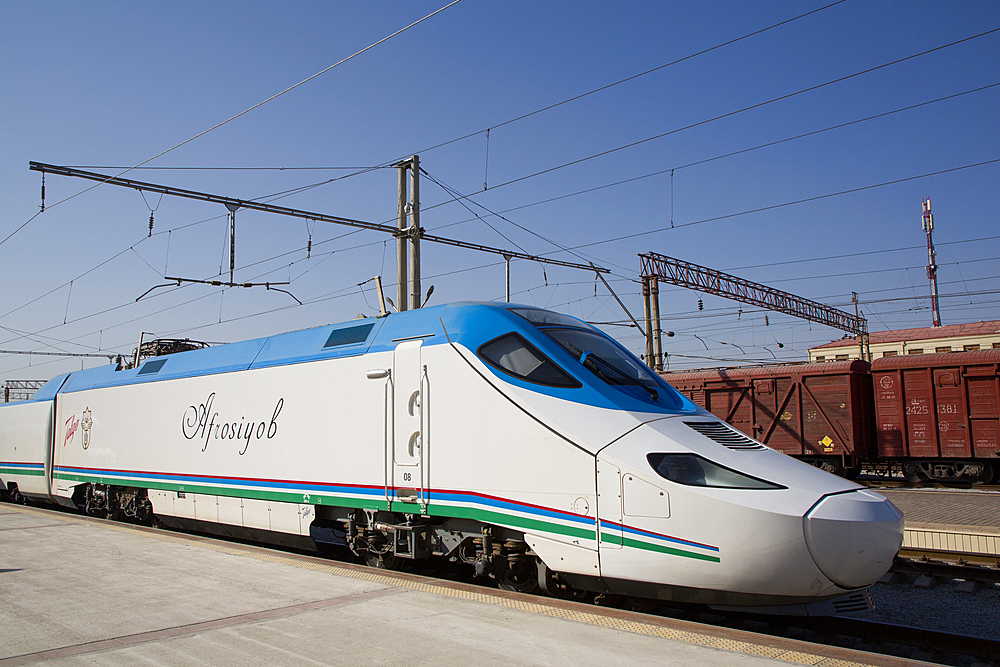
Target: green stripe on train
point(659, 548)
point(486, 516)
point(33, 472)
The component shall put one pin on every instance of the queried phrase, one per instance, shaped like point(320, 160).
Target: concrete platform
point(936, 508)
point(77, 591)
point(966, 523)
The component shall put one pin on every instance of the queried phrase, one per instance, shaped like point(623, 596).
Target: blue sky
point(110, 85)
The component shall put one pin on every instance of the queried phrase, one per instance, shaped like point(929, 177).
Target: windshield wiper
point(590, 360)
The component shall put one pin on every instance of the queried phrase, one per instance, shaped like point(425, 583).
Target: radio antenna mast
point(928, 221)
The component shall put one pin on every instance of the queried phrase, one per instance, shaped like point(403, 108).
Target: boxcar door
point(409, 426)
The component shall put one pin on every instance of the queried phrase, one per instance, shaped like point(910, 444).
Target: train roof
point(329, 341)
point(344, 339)
point(471, 324)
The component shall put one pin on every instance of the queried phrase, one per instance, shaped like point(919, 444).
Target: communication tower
point(928, 221)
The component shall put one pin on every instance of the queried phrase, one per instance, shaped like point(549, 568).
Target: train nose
point(853, 536)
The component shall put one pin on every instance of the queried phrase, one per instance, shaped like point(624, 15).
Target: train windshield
point(613, 365)
point(605, 359)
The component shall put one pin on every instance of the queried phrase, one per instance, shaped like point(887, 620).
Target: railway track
point(945, 648)
point(947, 565)
point(884, 483)
point(837, 631)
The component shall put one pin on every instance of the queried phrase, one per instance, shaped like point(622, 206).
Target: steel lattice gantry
point(656, 268)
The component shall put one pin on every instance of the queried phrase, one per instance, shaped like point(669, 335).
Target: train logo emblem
point(71, 425)
point(885, 382)
point(85, 424)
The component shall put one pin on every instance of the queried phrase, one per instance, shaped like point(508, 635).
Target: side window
point(151, 367)
point(512, 354)
point(349, 335)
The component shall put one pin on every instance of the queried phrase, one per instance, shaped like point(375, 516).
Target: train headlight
point(693, 470)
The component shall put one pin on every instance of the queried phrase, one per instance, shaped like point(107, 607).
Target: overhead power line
point(242, 113)
point(789, 203)
point(60, 354)
point(743, 110)
point(631, 78)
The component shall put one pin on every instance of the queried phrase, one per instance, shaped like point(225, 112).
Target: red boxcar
point(820, 413)
point(940, 413)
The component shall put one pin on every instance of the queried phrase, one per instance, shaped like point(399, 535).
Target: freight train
point(925, 416)
point(520, 441)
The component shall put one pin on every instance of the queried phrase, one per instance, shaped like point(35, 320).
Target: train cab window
point(512, 354)
point(693, 470)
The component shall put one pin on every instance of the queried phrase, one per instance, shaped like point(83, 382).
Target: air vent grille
point(855, 603)
point(725, 435)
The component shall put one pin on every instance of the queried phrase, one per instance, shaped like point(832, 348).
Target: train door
point(409, 430)
point(609, 505)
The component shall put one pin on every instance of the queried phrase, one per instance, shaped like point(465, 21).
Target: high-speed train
point(522, 441)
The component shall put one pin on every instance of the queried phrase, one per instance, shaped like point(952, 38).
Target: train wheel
point(383, 561)
point(831, 467)
point(16, 497)
point(913, 473)
point(984, 476)
point(521, 578)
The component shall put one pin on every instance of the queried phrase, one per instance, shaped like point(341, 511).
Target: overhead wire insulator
point(701, 305)
point(43, 194)
point(151, 209)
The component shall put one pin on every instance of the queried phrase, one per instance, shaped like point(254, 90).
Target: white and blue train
point(519, 440)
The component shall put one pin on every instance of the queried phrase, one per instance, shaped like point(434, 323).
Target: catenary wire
point(769, 144)
point(629, 78)
point(764, 208)
point(588, 190)
point(739, 111)
point(234, 117)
